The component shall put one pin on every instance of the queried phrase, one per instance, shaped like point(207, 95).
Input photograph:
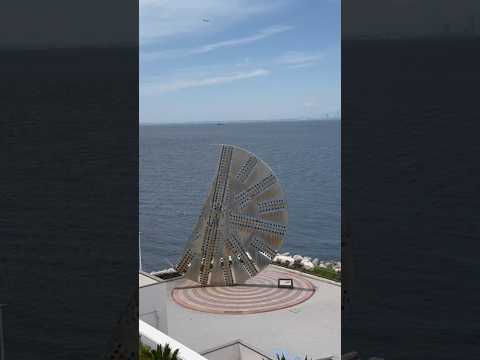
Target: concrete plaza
point(309, 328)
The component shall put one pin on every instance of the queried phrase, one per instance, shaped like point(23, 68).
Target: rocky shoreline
point(330, 269)
point(306, 262)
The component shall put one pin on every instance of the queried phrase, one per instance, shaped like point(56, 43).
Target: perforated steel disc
point(242, 224)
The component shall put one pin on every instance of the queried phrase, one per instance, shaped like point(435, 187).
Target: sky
point(237, 60)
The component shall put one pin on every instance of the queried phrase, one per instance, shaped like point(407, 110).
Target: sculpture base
point(259, 294)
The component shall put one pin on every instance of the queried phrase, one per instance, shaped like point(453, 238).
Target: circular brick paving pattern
point(258, 294)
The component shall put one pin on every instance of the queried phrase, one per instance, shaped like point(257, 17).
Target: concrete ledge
point(157, 337)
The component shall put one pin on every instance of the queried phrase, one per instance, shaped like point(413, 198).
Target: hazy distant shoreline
point(236, 122)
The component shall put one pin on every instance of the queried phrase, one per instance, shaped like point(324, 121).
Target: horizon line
point(236, 121)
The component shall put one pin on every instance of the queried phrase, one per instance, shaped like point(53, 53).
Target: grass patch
point(326, 273)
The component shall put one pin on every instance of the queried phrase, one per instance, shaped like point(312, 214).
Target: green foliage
point(327, 273)
point(323, 272)
point(144, 353)
point(161, 353)
point(283, 357)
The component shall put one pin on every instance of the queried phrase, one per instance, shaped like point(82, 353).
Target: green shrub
point(144, 353)
point(161, 353)
point(283, 357)
point(326, 273)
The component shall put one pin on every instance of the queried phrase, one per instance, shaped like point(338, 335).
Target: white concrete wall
point(152, 305)
point(151, 336)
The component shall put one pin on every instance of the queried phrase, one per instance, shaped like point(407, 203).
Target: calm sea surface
point(178, 163)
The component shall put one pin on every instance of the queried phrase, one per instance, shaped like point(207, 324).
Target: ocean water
point(178, 163)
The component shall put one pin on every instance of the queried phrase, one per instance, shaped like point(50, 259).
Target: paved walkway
point(259, 294)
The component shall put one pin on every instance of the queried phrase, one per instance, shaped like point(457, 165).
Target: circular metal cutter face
point(242, 224)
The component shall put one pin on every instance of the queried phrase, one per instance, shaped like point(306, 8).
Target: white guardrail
point(157, 337)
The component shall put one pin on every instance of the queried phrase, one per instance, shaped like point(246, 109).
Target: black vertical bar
point(68, 176)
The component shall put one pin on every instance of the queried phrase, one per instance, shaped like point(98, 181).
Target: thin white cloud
point(165, 19)
point(304, 65)
point(169, 54)
point(180, 84)
point(298, 59)
point(265, 33)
